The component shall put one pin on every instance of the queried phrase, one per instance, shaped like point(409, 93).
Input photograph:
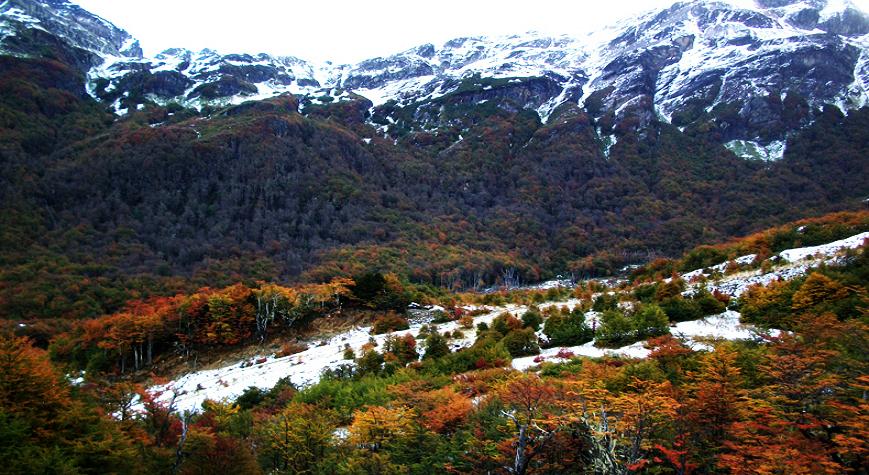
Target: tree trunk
point(179, 452)
point(520, 461)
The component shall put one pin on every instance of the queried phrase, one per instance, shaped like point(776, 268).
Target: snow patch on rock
point(751, 150)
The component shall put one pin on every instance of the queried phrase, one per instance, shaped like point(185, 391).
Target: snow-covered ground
point(303, 368)
point(825, 250)
point(306, 367)
point(752, 150)
point(724, 326)
point(795, 262)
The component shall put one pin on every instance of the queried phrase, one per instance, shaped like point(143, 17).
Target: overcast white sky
point(349, 31)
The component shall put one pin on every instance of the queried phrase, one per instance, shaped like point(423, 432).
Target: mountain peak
point(679, 64)
point(78, 27)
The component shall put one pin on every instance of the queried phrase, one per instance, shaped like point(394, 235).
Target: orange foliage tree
point(298, 437)
point(620, 429)
point(717, 401)
point(530, 407)
point(30, 387)
point(770, 444)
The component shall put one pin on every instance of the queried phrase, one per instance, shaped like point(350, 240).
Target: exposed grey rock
point(166, 84)
point(851, 22)
point(374, 73)
point(78, 27)
point(34, 42)
point(226, 86)
point(806, 19)
point(752, 74)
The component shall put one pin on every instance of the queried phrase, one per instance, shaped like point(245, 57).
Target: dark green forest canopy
point(97, 210)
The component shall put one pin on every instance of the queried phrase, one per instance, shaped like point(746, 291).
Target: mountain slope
point(691, 64)
point(476, 172)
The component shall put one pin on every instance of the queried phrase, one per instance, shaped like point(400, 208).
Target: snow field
point(306, 367)
point(796, 263)
point(723, 326)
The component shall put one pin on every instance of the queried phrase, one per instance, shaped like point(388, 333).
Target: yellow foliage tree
point(377, 426)
point(817, 289)
point(298, 437)
point(618, 428)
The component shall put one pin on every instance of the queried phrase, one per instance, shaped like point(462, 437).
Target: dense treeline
point(186, 323)
point(802, 233)
point(787, 402)
point(208, 320)
point(97, 210)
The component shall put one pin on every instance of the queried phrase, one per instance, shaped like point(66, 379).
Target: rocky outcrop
point(375, 73)
point(38, 43)
point(226, 86)
point(76, 26)
point(850, 22)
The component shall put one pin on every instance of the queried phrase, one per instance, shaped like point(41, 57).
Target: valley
point(635, 248)
point(304, 368)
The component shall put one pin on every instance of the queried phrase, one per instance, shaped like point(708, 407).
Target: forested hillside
point(637, 250)
point(785, 393)
point(99, 210)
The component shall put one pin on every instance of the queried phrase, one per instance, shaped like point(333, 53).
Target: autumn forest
point(278, 286)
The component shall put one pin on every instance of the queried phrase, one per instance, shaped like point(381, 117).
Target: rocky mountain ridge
point(756, 73)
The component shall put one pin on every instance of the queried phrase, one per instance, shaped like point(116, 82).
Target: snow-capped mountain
point(29, 24)
point(198, 78)
point(755, 71)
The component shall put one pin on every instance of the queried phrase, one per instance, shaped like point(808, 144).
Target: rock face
point(199, 78)
point(753, 74)
point(77, 27)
